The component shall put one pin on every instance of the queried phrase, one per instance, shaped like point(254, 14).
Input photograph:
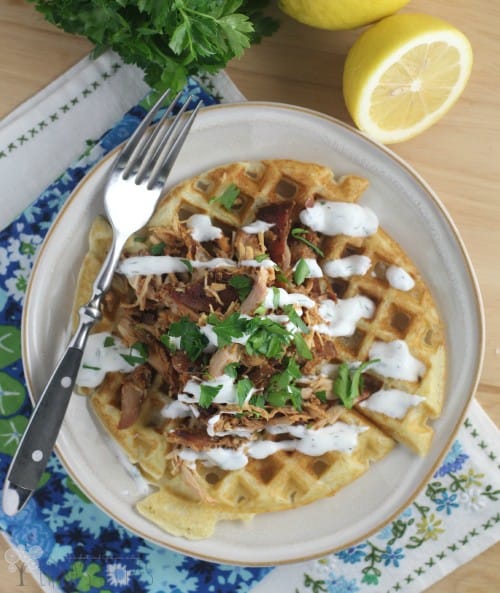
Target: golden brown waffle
point(190, 503)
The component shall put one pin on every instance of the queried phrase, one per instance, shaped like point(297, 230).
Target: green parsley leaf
point(227, 197)
point(231, 370)
point(295, 318)
point(302, 348)
point(193, 342)
point(169, 41)
point(233, 326)
point(243, 388)
point(157, 248)
point(188, 264)
point(109, 341)
point(242, 284)
point(261, 257)
point(297, 233)
point(90, 367)
point(207, 394)
point(301, 272)
point(282, 387)
point(138, 354)
point(321, 395)
point(349, 383)
point(266, 337)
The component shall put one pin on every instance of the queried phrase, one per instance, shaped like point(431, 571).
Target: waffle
point(189, 500)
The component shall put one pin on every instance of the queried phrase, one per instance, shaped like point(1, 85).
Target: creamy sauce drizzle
point(399, 278)
point(314, 270)
point(227, 394)
point(202, 229)
point(391, 402)
point(341, 316)
point(258, 226)
point(336, 437)
point(99, 359)
point(396, 361)
point(340, 218)
point(352, 265)
point(277, 298)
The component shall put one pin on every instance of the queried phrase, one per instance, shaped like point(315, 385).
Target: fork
point(133, 187)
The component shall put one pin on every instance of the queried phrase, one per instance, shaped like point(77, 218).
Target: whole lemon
point(339, 14)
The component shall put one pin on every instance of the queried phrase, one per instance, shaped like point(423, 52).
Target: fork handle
point(38, 440)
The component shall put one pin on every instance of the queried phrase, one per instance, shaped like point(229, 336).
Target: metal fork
point(132, 190)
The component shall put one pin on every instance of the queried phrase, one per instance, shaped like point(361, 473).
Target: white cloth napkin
point(455, 517)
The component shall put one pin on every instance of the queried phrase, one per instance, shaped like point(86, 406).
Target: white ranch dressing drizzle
point(277, 298)
point(391, 402)
point(314, 270)
point(178, 409)
point(399, 278)
point(341, 316)
point(340, 218)
point(396, 361)
point(352, 265)
point(314, 442)
point(243, 433)
point(202, 229)
point(253, 263)
point(147, 265)
point(257, 226)
point(99, 359)
point(227, 394)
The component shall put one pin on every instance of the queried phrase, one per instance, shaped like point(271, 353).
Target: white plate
point(408, 210)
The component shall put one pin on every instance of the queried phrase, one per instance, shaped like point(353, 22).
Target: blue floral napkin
point(69, 545)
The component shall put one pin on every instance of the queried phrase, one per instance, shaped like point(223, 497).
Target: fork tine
point(136, 141)
point(170, 150)
point(160, 136)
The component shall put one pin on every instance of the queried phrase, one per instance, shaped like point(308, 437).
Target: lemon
point(339, 14)
point(403, 74)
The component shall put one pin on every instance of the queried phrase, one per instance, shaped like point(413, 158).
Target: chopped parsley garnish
point(90, 367)
point(227, 197)
point(242, 284)
point(295, 318)
point(261, 257)
point(188, 264)
point(297, 233)
point(283, 389)
point(243, 388)
point(349, 383)
point(231, 370)
point(157, 248)
point(321, 395)
point(109, 341)
point(207, 394)
point(193, 342)
point(302, 348)
point(301, 272)
point(267, 338)
point(138, 354)
point(226, 329)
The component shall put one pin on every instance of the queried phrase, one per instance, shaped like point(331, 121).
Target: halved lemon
point(403, 74)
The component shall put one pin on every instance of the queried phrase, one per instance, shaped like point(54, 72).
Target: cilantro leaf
point(282, 387)
point(157, 248)
point(243, 388)
point(138, 354)
point(233, 326)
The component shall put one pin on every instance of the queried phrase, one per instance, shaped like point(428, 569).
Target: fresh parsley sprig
point(228, 197)
point(298, 233)
point(192, 341)
point(169, 40)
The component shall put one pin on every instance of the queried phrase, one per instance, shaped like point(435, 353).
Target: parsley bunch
point(169, 39)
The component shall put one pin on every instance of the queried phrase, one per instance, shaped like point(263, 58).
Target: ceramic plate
point(407, 209)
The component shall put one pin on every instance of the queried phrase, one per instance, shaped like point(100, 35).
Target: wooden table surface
point(459, 156)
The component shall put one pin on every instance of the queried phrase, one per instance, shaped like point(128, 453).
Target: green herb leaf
point(266, 337)
point(282, 387)
point(349, 383)
point(295, 318)
point(243, 388)
point(138, 354)
point(301, 272)
point(207, 394)
point(188, 264)
point(228, 197)
point(109, 341)
point(233, 326)
point(297, 233)
point(193, 342)
point(242, 284)
point(157, 248)
point(231, 370)
point(321, 395)
point(261, 257)
point(302, 348)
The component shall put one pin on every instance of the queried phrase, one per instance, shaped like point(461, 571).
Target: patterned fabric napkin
point(62, 538)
